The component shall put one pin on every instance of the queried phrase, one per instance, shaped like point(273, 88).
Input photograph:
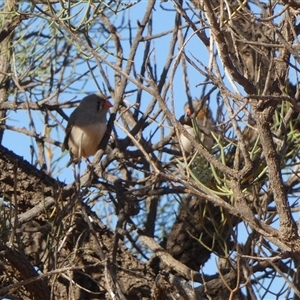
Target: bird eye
point(99, 105)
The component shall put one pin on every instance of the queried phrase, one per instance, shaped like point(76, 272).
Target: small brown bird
point(204, 122)
point(86, 127)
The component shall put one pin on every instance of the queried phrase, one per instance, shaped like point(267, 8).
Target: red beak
point(188, 112)
point(107, 104)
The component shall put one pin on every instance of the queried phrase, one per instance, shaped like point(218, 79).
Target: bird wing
point(71, 122)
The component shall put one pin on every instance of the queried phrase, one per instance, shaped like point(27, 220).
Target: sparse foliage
point(146, 218)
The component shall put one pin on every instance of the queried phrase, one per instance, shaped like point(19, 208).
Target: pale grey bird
point(204, 122)
point(86, 127)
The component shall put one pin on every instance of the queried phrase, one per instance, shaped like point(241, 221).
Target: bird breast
point(186, 144)
point(86, 139)
point(204, 136)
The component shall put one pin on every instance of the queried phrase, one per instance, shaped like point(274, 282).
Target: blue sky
point(163, 20)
